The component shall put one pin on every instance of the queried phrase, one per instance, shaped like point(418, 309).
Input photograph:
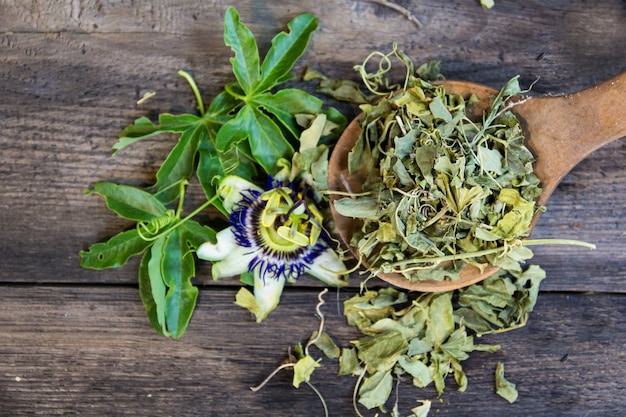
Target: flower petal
point(230, 189)
point(219, 250)
point(328, 268)
point(236, 263)
point(267, 294)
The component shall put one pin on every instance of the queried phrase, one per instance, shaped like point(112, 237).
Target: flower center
point(287, 223)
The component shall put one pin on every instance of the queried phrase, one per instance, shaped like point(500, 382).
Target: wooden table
point(77, 342)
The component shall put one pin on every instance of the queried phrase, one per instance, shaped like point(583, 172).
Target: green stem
point(183, 220)
point(477, 254)
point(232, 92)
point(194, 88)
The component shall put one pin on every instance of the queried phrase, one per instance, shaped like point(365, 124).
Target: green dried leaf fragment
point(422, 410)
point(326, 344)
point(440, 318)
point(439, 110)
point(504, 388)
point(361, 207)
point(417, 369)
point(376, 389)
point(364, 310)
point(303, 370)
point(349, 362)
point(381, 352)
point(490, 160)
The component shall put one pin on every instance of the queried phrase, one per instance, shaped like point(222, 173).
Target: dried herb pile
point(442, 190)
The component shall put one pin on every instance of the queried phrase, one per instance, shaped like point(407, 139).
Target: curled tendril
point(377, 80)
point(151, 230)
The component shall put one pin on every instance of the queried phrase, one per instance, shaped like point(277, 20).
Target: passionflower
point(277, 235)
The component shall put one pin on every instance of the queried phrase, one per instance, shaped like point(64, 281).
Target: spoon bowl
point(560, 131)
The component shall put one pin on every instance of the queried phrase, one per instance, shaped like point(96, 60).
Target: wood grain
point(77, 342)
point(88, 350)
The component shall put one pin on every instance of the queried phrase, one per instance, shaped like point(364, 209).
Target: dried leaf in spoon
point(434, 184)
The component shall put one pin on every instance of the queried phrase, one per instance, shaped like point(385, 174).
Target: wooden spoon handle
point(563, 130)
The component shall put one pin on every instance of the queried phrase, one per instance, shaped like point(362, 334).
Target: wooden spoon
point(560, 131)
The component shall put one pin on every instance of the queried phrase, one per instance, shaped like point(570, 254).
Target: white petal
point(236, 263)
point(219, 250)
point(267, 293)
point(328, 268)
point(230, 189)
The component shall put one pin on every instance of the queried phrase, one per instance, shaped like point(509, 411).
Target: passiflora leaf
point(233, 131)
point(267, 142)
point(193, 234)
point(146, 294)
point(285, 51)
point(158, 288)
point(143, 128)
point(180, 163)
point(129, 202)
point(177, 270)
point(246, 62)
point(115, 252)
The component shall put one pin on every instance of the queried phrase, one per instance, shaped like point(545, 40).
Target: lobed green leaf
point(240, 39)
point(285, 50)
point(129, 202)
point(115, 252)
point(177, 269)
point(143, 128)
point(180, 162)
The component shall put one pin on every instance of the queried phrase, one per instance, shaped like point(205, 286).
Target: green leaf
point(326, 344)
point(490, 160)
point(177, 270)
point(504, 388)
point(362, 207)
point(115, 252)
point(143, 128)
point(348, 362)
point(129, 202)
point(213, 165)
point(267, 142)
point(376, 389)
point(417, 369)
point(422, 410)
point(158, 288)
point(440, 318)
point(246, 60)
point(303, 369)
point(145, 293)
point(221, 109)
point(381, 352)
point(193, 234)
point(286, 103)
point(285, 51)
point(233, 131)
point(180, 162)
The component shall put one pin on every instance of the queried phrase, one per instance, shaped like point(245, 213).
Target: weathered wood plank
point(90, 351)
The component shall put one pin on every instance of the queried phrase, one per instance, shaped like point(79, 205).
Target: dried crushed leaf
point(303, 370)
point(428, 336)
point(504, 388)
point(442, 190)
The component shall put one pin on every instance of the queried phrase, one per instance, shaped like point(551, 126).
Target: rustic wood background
point(77, 342)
